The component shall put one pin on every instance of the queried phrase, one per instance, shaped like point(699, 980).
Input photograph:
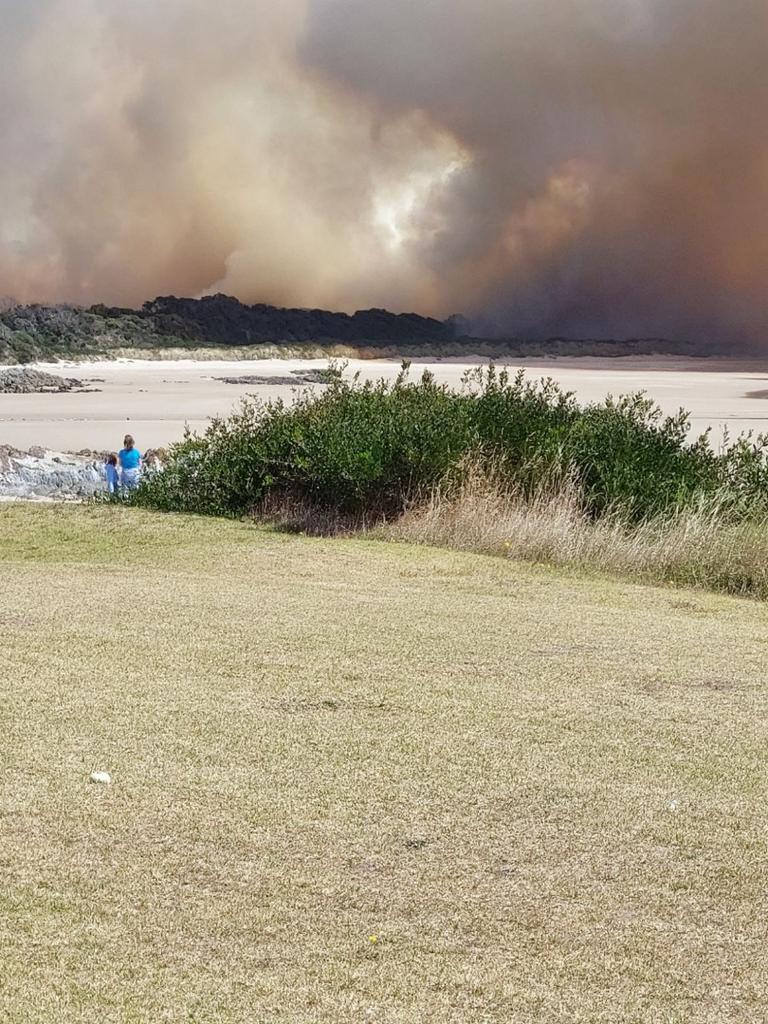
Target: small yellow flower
point(373, 939)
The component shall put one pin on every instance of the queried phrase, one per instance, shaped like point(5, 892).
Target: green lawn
point(545, 796)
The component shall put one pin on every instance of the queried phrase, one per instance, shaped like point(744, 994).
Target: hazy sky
point(591, 167)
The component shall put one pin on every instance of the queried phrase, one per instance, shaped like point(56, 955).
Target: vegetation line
point(218, 326)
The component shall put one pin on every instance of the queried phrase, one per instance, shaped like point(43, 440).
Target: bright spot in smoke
point(396, 209)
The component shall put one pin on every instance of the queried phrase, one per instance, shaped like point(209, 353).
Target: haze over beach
point(593, 168)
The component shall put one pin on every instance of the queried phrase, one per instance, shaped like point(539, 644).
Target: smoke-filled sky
point(585, 167)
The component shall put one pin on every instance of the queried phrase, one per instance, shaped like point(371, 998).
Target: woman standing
point(130, 464)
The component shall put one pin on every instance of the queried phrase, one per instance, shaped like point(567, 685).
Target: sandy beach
point(154, 400)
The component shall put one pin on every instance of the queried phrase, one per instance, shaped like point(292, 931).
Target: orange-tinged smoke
point(585, 167)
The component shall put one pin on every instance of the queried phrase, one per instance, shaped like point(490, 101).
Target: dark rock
point(25, 381)
point(254, 380)
point(311, 376)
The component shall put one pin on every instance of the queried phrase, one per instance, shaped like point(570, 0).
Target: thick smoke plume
point(588, 167)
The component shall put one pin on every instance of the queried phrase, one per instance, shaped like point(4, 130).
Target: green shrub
point(374, 448)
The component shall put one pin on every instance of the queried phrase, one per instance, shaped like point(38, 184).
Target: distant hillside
point(29, 333)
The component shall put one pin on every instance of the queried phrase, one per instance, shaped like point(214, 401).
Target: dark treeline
point(29, 333)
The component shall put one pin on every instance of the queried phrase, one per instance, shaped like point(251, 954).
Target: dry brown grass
point(544, 795)
point(696, 548)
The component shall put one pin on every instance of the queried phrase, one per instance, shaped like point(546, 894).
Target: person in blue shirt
point(130, 464)
point(113, 477)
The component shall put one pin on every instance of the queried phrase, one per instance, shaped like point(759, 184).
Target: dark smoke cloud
point(592, 167)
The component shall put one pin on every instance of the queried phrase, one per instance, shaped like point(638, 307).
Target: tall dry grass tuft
point(697, 547)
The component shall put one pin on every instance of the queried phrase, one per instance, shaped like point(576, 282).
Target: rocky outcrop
point(297, 377)
point(39, 474)
point(42, 475)
point(23, 381)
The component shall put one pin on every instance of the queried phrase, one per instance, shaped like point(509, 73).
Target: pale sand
point(153, 400)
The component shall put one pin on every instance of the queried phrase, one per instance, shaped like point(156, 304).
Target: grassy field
point(356, 781)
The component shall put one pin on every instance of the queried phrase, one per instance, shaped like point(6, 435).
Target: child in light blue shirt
point(113, 477)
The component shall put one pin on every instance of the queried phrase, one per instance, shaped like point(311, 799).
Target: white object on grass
point(103, 777)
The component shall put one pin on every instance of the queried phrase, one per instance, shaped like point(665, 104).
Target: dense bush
point(374, 448)
point(29, 333)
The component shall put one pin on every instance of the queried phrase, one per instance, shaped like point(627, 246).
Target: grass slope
point(316, 742)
